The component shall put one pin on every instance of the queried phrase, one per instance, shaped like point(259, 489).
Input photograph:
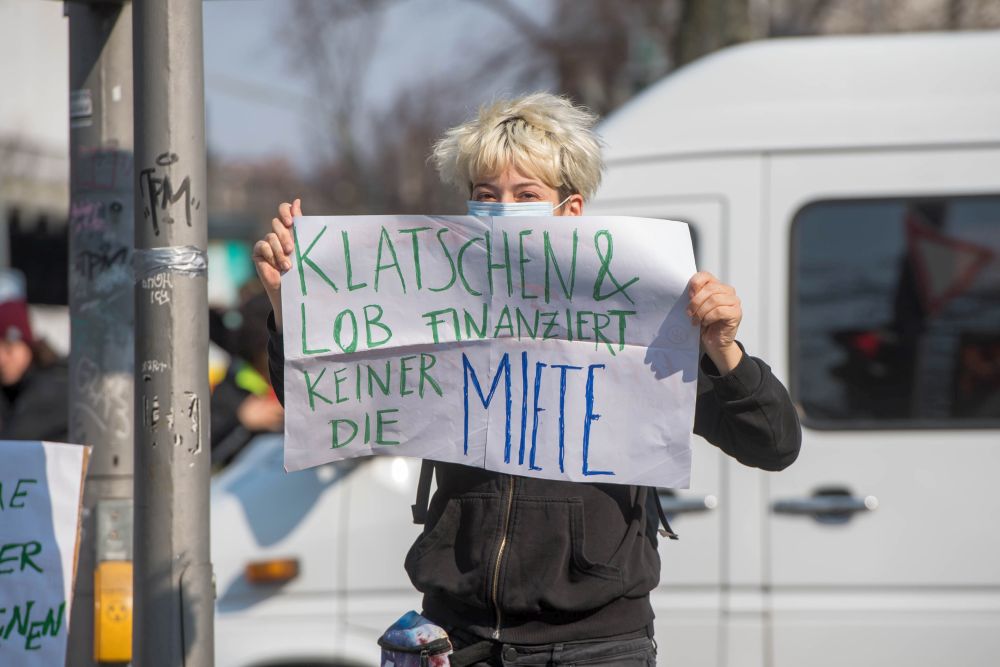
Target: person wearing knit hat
point(33, 382)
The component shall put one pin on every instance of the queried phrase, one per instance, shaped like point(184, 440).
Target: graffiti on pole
point(159, 195)
point(102, 400)
point(160, 287)
point(89, 262)
point(182, 422)
point(104, 168)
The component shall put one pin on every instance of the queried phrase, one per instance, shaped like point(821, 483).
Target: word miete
point(471, 379)
point(497, 259)
point(377, 428)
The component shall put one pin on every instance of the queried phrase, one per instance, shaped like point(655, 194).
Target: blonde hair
point(541, 134)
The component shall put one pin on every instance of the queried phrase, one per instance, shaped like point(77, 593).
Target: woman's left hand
point(717, 310)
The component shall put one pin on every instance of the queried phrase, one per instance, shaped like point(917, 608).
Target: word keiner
point(412, 376)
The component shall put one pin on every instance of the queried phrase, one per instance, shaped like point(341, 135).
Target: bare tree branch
point(538, 35)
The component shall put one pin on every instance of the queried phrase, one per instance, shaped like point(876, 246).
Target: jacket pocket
point(451, 557)
point(546, 565)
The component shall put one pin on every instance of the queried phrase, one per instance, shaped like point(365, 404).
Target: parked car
point(849, 188)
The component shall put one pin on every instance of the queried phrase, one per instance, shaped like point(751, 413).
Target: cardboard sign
point(547, 347)
point(41, 485)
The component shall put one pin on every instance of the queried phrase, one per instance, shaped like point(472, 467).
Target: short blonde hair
point(541, 134)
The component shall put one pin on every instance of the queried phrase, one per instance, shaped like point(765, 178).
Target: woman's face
point(514, 186)
point(15, 357)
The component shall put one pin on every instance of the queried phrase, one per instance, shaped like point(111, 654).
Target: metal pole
point(174, 592)
point(100, 286)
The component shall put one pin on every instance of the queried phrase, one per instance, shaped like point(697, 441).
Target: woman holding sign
point(522, 570)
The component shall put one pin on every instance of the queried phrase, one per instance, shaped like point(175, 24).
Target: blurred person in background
point(244, 404)
point(34, 399)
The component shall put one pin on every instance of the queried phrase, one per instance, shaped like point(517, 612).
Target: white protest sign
point(554, 347)
point(40, 495)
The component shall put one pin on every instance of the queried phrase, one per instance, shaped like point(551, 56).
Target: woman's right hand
point(272, 255)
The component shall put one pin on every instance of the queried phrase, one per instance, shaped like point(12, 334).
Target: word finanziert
point(496, 269)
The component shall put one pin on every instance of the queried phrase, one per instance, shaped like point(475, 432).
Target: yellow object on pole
point(113, 611)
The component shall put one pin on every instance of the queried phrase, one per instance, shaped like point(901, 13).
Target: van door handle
point(826, 507)
point(673, 505)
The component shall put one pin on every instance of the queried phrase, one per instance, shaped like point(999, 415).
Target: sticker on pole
point(81, 108)
point(41, 485)
point(546, 347)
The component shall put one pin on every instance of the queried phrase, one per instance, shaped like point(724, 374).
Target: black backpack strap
point(419, 508)
point(665, 531)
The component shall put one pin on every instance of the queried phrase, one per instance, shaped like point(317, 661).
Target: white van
point(850, 189)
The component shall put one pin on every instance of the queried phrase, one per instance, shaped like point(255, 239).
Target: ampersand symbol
point(604, 255)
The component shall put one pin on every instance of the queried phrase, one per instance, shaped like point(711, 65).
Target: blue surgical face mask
point(490, 209)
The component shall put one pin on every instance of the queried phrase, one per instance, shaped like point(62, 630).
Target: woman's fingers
point(708, 291)
point(262, 252)
point(263, 259)
point(272, 254)
point(719, 326)
point(705, 283)
point(284, 235)
point(285, 213)
point(268, 252)
point(713, 301)
point(281, 261)
point(726, 313)
point(717, 310)
point(698, 281)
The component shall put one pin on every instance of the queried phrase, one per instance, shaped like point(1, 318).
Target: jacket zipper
point(500, 550)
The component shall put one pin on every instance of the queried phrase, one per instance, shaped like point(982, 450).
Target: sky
point(34, 104)
point(252, 98)
point(259, 106)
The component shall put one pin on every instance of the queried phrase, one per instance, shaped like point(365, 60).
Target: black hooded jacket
point(536, 561)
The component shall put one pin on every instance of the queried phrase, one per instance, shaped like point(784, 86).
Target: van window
point(895, 312)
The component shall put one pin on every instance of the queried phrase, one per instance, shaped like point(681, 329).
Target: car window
point(895, 312)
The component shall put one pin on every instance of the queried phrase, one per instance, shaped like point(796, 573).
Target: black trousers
point(636, 649)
